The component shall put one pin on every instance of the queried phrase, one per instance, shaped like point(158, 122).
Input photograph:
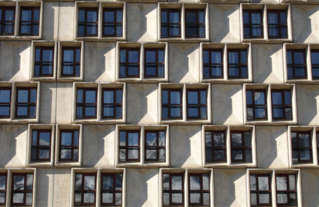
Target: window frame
point(3, 22)
point(169, 10)
point(211, 65)
point(298, 148)
point(280, 25)
point(115, 22)
point(41, 62)
point(5, 191)
point(243, 148)
point(257, 191)
point(201, 191)
point(86, 9)
point(240, 65)
point(314, 65)
point(82, 191)
point(22, 191)
point(83, 105)
point(72, 147)
point(127, 63)
point(284, 105)
point(38, 146)
point(29, 103)
point(199, 105)
point(157, 147)
point(288, 191)
point(157, 63)
point(169, 90)
point(114, 191)
point(170, 191)
point(197, 24)
point(126, 147)
point(250, 25)
point(8, 104)
point(213, 147)
point(114, 104)
point(254, 105)
point(32, 8)
point(75, 63)
point(293, 64)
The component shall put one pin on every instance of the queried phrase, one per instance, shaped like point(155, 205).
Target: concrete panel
point(64, 103)
point(15, 60)
point(272, 147)
point(142, 187)
point(47, 103)
point(310, 187)
point(227, 104)
point(66, 21)
point(307, 104)
point(224, 23)
point(267, 63)
point(45, 179)
point(99, 61)
point(98, 145)
point(13, 145)
point(141, 103)
point(183, 63)
point(230, 187)
point(185, 146)
point(50, 20)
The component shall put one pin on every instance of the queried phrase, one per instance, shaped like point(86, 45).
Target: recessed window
point(85, 189)
point(5, 102)
point(22, 189)
point(171, 104)
point(317, 135)
point(241, 146)
point(199, 189)
point(155, 142)
point(43, 64)
point(197, 104)
point(7, 17)
point(71, 57)
point(296, 64)
point(213, 63)
point(112, 103)
point(286, 190)
point(86, 103)
point(41, 146)
point(195, 23)
point(129, 62)
point(173, 189)
point(154, 63)
point(88, 22)
point(111, 189)
point(3, 188)
point(215, 146)
point(170, 23)
point(237, 64)
point(26, 102)
point(256, 104)
point(129, 146)
point(29, 21)
point(277, 24)
point(281, 104)
point(112, 22)
point(69, 146)
point(315, 63)
point(301, 147)
point(260, 190)
point(253, 24)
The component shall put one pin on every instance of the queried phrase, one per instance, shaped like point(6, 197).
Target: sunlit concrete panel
point(66, 21)
point(64, 103)
point(48, 103)
point(50, 20)
point(308, 104)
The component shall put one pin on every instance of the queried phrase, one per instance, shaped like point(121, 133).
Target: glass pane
point(165, 112)
point(45, 138)
point(66, 138)
point(219, 139)
point(263, 183)
point(18, 197)
point(161, 141)
point(75, 154)
point(248, 155)
point(47, 55)
point(164, 97)
point(252, 182)
point(299, 58)
point(118, 198)
point(194, 182)
point(233, 57)
point(176, 182)
point(18, 182)
point(195, 197)
point(264, 198)
point(89, 197)
point(5, 96)
point(166, 199)
point(107, 197)
point(175, 111)
point(236, 139)
point(44, 153)
point(78, 181)
point(253, 199)
point(282, 198)
point(165, 181)
point(118, 181)
point(122, 155)
point(174, 17)
point(66, 154)
point(177, 198)
point(219, 154)
point(208, 138)
point(28, 199)
point(161, 155)
point(209, 156)
point(133, 56)
point(2, 197)
point(151, 139)
point(259, 98)
point(90, 96)
point(107, 183)
point(281, 183)
point(192, 97)
point(108, 97)
point(293, 199)
point(151, 154)
point(109, 16)
point(23, 96)
point(304, 140)
point(287, 97)
point(206, 199)
point(206, 182)
point(175, 97)
point(249, 97)
point(118, 96)
point(292, 182)
point(237, 154)
point(89, 182)
point(77, 199)
point(133, 139)
point(122, 138)
point(3, 182)
point(133, 154)
point(276, 98)
point(79, 98)
point(150, 56)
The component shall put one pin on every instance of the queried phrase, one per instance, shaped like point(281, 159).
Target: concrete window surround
point(184, 88)
point(142, 47)
point(100, 6)
point(183, 6)
point(98, 186)
point(224, 48)
point(99, 87)
point(268, 88)
point(264, 8)
point(185, 181)
point(227, 130)
point(142, 129)
point(273, 173)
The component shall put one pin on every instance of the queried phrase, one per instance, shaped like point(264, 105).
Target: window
point(277, 24)
point(154, 63)
point(69, 146)
point(3, 188)
point(112, 103)
point(237, 63)
point(111, 189)
point(88, 22)
point(155, 146)
point(129, 62)
point(296, 64)
point(29, 21)
point(301, 147)
point(86, 103)
point(253, 24)
point(173, 189)
point(26, 102)
point(7, 17)
point(256, 104)
point(317, 135)
point(85, 189)
point(281, 104)
point(170, 23)
point(315, 63)
point(241, 146)
point(112, 22)
point(129, 146)
point(196, 104)
point(171, 104)
point(195, 23)
point(71, 61)
point(5, 102)
point(41, 146)
point(22, 189)
point(260, 190)
point(213, 63)
point(199, 189)
point(215, 146)
point(286, 190)
point(43, 65)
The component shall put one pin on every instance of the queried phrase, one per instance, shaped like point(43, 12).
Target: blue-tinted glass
point(5, 95)
point(81, 31)
point(249, 97)
point(246, 18)
point(108, 97)
point(45, 138)
point(26, 15)
point(206, 56)
point(36, 15)
point(81, 15)
point(164, 31)
point(233, 57)
point(119, 30)
point(161, 71)
point(90, 96)
point(0, 13)
point(91, 16)
point(299, 57)
point(47, 55)
point(91, 29)
point(90, 111)
point(122, 138)
point(35, 30)
point(192, 97)
point(132, 71)
point(276, 97)
point(217, 71)
point(259, 97)
point(216, 57)
point(66, 138)
point(174, 17)
point(108, 111)
point(37, 54)
point(78, 55)
point(133, 56)
point(300, 71)
point(79, 112)
point(206, 73)
point(150, 57)
point(4, 110)
point(164, 17)
point(203, 97)
point(123, 55)
point(165, 97)
point(151, 139)
point(119, 16)
point(175, 97)
point(201, 16)
point(150, 71)
point(9, 15)
point(191, 17)
point(132, 139)
point(284, 32)
point(118, 112)
point(68, 55)
point(315, 57)
point(76, 138)
point(255, 18)
point(34, 138)
point(244, 72)
point(283, 17)
point(165, 112)
point(272, 18)
point(243, 56)
point(175, 111)
point(32, 111)
point(122, 71)
point(287, 97)
point(33, 95)
point(23, 96)
point(192, 112)
point(161, 56)
point(79, 95)
point(109, 30)
point(289, 57)
point(109, 16)
point(118, 96)
point(22, 111)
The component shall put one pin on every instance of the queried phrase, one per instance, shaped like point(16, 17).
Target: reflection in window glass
point(260, 190)
point(22, 190)
point(154, 63)
point(129, 146)
point(173, 189)
point(69, 146)
point(7, 17)
point(85, 189)
point(196, 104)
point(237, 64)
point(171, 104)
point(111, 188)
point(129, 62)
point(256, 104)
point(286, 190)
point(296, 64)
point(86, 103)
point(112, 22)
point(195, 23)
point(88, 22)
point(112, 103)
point(170, 23)
point(155, 146)
point(301, 147)
point(71, 61)
point(5, 102)
point(241, 146)
point(26, 102)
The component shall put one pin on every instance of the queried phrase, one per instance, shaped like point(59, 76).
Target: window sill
point(304, 165)
point(218, 80)
point(40, 164)
point(69, 79)
point(266, 122)
point(135, 79)
point(43, 78)
point(302, 81)
point(6, 120)
point(14, 37)
point(129, 164)
point(179, 39)
point(178, 121)
point(85, 121)
point(262, 40)
point(155, 164)
point(112, 121)
point(226, 1)
point(67, 164)
point(15, 120)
